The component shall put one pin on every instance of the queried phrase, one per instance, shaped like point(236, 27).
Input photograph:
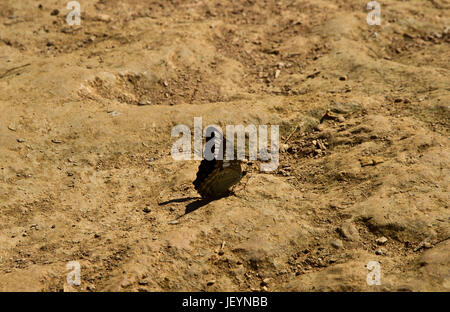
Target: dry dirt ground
point(86, 174)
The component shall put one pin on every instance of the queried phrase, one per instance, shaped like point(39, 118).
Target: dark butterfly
point(215, 177)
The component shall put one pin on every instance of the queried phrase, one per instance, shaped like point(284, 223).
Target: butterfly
point(215, 177)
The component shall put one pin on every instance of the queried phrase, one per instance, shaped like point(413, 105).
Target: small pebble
point(284, 148)
point(337, 244)
point(104, 18)
point(427, 245)
point(381, 241)
point(277, 73)
point(114, 113)
point(144, 102)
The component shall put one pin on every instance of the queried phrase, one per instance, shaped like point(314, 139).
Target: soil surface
point(86, 175)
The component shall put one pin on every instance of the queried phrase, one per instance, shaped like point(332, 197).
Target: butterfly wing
point(219, 181)
point(215, 177)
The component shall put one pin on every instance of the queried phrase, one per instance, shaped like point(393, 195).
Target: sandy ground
point(86, 172)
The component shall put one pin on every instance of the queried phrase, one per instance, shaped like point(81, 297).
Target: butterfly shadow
point(198, 203)
point(204, 201)
point(177, 200)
